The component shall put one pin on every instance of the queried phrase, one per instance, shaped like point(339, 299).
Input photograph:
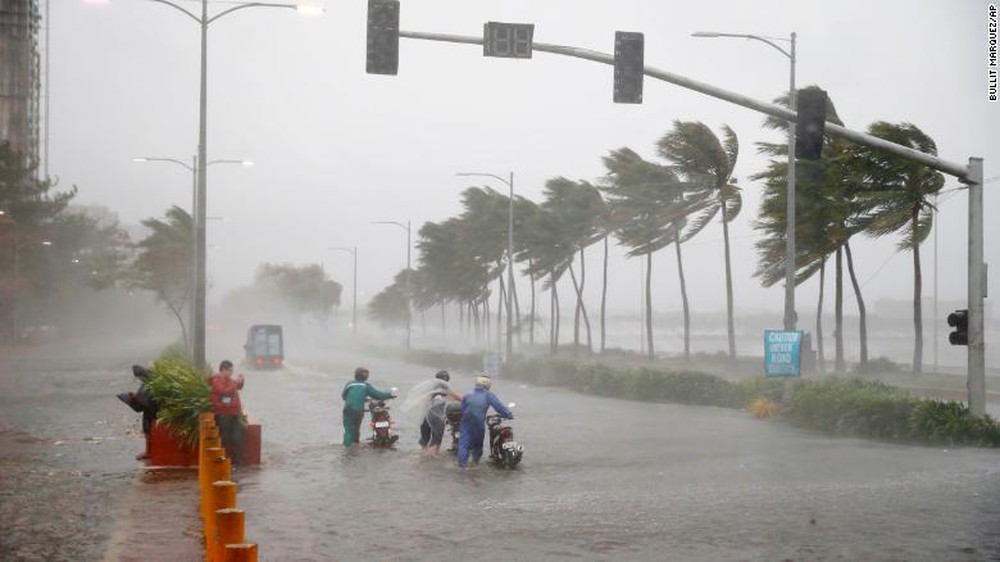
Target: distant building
point(20, 76)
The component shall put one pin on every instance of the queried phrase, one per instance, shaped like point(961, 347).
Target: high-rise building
point(20, 76)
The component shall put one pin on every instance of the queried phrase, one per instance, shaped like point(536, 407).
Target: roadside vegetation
point(181, 391)
point(834, 405)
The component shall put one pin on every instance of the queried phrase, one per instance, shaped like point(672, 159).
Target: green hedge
point(852, 407)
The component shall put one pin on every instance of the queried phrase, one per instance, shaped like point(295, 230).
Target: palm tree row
point(647, 206)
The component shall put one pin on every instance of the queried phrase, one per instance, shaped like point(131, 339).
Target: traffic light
point(960, 321)
point(810, 123)
point(383, 37)
point(507, 40)
point(629, 47)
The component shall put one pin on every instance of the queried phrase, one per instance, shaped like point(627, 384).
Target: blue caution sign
point(781, 353)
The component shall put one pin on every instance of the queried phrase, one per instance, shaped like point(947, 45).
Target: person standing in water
point(473, 429)
point(432, 428)
point(354, 394)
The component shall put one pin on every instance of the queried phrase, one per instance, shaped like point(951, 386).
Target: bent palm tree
point(897, 195)
point(705, 165)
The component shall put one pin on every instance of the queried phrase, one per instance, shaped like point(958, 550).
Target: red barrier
point(165, 450)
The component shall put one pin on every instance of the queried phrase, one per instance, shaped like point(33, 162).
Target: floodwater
point(601, 479)
point(70, 487)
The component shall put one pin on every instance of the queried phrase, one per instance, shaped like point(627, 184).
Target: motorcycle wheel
point(510, 460)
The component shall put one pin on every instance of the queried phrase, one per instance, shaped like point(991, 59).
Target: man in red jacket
point(228, 410)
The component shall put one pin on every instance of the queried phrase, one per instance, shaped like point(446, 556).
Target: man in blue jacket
point(354, 395)
point(473, 429)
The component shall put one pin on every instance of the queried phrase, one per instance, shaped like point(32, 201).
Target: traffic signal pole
point(977, 291)
point(971, 174)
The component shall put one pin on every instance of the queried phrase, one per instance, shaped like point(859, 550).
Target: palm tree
point(706, 167)
point(549, 253)
point(827, 216)
point(576, 208)
point(897, 195)
point(649, 211)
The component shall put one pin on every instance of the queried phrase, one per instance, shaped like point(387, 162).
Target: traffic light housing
point(383, 37)
point(508, 40)
point(810, 123)
point(629, 48)
point(960, 321)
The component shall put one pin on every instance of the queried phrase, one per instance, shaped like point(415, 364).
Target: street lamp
point(354, 302)
point(305, 7)
point(790, 316)
point(193, 168)
point(510, 254)
point(405, 227)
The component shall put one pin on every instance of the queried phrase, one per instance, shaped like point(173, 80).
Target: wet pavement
point(601, 479)
point(70, 487)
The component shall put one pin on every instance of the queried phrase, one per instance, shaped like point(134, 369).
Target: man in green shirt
point(354, 395)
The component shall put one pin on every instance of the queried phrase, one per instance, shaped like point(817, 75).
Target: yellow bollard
point(229, 529)
point(204, 482)
point(223, 494)
point(218, 468)
point(245, 552)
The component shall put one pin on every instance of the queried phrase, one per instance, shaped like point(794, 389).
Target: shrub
point(951, 423)
point(879, 365)
point(182, 393)
point(446, 360)
point(854, 407)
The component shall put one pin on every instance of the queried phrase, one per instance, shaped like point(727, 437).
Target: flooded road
point(601, 479)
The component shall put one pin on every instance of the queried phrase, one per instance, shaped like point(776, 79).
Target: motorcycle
point(381, 424)
point(504, 451)
point(453, 417)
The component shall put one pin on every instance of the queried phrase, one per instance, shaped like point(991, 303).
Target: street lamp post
point(200, 199)
point(510, 254)
point(790, 316)
point(193, 168)
point(354, 301)
point(405, 227)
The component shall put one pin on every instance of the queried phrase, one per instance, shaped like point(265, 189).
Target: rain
point(530, 209)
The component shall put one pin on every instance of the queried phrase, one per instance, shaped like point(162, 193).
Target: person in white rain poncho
point(427, 400)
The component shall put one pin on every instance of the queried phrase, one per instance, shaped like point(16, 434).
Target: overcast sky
point(336, 148)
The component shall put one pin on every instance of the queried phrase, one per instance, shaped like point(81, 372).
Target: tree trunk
point(576, 308)
point(517, 313)
point(918, 320)
point(553, 315)
point(531, 336)
point(839, 365)
point(180, 320)
point(558, 317)
point(862, 316)
point(684, 297)
point(580, 309)
point(820, 359)
point(583, 307)
point(729, 287)
point(501, 311)
point(649, 305)
point(604, 293)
